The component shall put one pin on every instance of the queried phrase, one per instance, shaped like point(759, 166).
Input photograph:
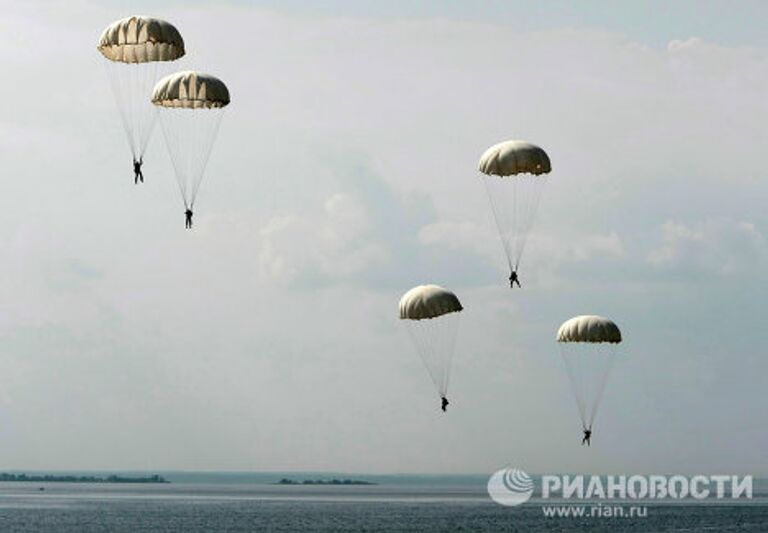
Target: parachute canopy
point(514, 202)
point(428, 301)
point(514, 157)
point(141, 40)
point(190, 90)
point(435, 338)
point(589, 328)
point(588, 346)
point(190, 106)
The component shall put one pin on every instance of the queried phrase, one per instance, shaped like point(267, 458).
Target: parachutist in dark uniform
point(587, 436)
point(444, 403)
point(513, 279)
point(188, 213)
point(138, 176)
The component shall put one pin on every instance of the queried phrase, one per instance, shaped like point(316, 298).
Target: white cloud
point(578, 248)
point(335, 244)
point(466, 235)
point(549, 248)
point(716, 245)
point(280, 305)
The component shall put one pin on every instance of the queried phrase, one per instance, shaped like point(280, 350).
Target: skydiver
point(587, 436)
point(513, 279)
point(444, 403)
point(137, 170)
point(188, 213)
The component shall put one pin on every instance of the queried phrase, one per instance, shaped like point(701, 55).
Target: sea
point(212, 502)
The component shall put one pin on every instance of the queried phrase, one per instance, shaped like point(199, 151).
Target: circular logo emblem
point(510, 486)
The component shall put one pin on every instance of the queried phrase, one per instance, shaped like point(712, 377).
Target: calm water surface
point(191, 506)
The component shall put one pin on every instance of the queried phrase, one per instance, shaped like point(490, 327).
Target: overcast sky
point(344, 174)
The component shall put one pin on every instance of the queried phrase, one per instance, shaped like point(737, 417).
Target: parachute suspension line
point(420, 337)
point(515, 201)
point(121, 101)
point(529, 216)
point(171, 141)
point(190, 135)
point(131, 85)
point(588, 374)
point(435, 342)
point(427, 342)
point(210, 136)
point(576, 387)
point(514, 206)
point(499, 223)
point(603, 380)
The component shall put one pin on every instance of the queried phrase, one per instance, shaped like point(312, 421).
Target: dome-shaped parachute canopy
point(190, 90)
point(588, 346)
point(514, 202)
point(141, 40)
point(589, 328)
point(190, 106)
point(509, 158)
point(435, 338)
point(428, 301)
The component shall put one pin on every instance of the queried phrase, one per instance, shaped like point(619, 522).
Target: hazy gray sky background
point(344, 174)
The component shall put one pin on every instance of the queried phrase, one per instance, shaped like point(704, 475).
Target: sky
point(344, 174)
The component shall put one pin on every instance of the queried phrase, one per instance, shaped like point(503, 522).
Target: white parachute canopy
point(588, 345)
point(514, 174)
point(190, 105)
point(431, 314)
point(139, 51)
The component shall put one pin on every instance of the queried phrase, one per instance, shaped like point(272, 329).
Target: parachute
point(588, 346)
point(190, 105)
point(431, 314)
point(138, 50)
point(514, 176)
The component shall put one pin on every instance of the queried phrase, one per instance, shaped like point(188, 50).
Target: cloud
point(334, 244)
point(464, 235)
point(548, 254)
point(720, 245)
point(577, 248)
point(344, 173)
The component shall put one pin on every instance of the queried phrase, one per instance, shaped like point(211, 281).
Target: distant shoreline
point(48, 478)
point(286, 481)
